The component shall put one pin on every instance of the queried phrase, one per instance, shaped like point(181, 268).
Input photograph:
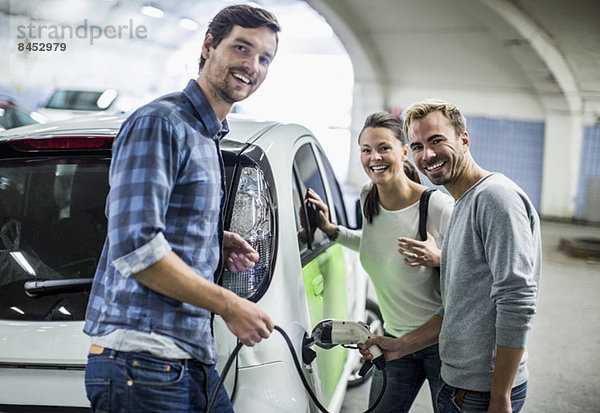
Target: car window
point(300, 216)
point(52, 227)
point(338, 215)
point(309, 176)
point(12, 118)
point(22, 118)
point(74, 100)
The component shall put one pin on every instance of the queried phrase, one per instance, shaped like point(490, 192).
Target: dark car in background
point(69, 103)
point(13, 115)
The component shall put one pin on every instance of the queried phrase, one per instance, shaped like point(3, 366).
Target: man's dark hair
point(238, 15)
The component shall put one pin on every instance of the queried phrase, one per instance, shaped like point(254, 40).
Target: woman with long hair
point(401, 267)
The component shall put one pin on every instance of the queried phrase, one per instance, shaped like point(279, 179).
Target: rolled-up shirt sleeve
point(143, 257)
point(143, 170)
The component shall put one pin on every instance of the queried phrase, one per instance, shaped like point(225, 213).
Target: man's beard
point(222, 88)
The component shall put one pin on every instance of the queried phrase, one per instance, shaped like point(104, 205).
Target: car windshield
point(12, 118)
point(77, 100)
point(52, 227)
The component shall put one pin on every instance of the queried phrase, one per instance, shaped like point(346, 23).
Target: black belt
point(460, 395)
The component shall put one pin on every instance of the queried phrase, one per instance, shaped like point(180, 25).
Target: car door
point(323, 266)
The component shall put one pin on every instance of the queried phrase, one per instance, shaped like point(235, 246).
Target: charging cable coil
point(380, 365)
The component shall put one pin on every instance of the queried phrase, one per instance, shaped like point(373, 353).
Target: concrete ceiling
point(519, 59)
point(543, 53)
point(505, 59)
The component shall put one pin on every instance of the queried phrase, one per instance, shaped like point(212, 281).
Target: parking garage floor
point(564, 346)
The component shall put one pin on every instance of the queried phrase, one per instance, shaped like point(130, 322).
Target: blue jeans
point(134, 382)
point(405, 378)
point(475, 402)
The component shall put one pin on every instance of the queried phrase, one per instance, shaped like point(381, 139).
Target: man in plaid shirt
point(149, 313)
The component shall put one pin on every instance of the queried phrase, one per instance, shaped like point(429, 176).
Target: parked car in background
point(12, 115)
point(70, 103)
point(53, 185)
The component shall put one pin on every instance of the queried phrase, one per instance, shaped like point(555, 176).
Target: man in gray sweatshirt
point(490, 271)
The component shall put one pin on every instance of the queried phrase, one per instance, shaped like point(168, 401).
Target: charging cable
point(300, 373)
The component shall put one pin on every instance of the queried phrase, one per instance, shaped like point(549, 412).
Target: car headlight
point(253, 219)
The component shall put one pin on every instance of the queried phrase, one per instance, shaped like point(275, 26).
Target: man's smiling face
point(437, 151)
point(240, 62)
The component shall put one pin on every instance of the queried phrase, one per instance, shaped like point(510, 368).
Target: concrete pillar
point(562, 158)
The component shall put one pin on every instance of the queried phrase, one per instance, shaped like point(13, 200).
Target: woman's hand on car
point(313, 200)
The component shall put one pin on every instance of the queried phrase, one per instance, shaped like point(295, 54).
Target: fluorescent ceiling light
point(17, 310)
point(64, 311)
point(20, 259)
point(152, 12)
point(188, 24)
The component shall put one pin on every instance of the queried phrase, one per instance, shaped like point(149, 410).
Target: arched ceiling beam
point(535, 51)
point(354, 34)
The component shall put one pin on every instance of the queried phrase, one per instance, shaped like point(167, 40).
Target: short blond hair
point(421, 109)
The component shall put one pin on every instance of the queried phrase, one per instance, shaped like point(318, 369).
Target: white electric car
point(53, 185)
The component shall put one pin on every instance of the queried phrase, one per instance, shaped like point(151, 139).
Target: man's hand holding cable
point(246, 320)
point(392, 348)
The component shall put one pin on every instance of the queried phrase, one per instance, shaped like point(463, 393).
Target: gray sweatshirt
point(490, 274)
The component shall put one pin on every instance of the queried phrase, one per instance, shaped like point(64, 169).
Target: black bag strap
point(423, 206)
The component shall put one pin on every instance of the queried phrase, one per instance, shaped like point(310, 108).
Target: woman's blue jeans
point(405, 378)
point(475, 402)
point(134, 382)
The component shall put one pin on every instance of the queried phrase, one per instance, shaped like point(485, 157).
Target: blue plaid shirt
point(166, 193)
